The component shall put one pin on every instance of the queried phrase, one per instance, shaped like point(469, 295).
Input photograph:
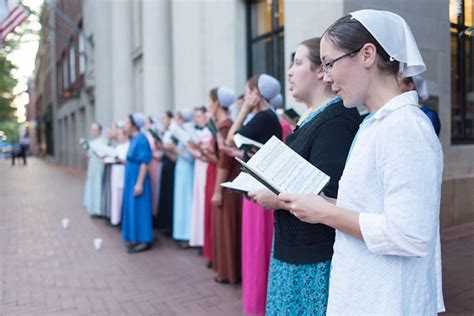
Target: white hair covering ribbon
point(421, 87)
point(395, 36)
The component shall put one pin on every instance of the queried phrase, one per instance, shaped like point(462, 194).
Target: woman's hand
point(309, 208)
point(138, 189)
point(250, 102)
point(266, 198)
point(216, 199)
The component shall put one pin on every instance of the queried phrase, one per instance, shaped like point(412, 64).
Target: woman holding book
point(164, 220)
point(257, 222)
point(93, 191)
point(387, 249)
point(183, 181)
point(299, 271)
point(200, 173)
point(155, 165)
point(226, 212)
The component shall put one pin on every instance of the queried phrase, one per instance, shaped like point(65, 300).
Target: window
point(462, 68)
point(265, 31)
point(82, 55)
point(72, 62)
point(65, 73)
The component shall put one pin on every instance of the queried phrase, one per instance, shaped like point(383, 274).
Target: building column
point(157, 54)
point(122, 66)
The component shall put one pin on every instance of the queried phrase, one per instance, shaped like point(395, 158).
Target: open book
point(246, 143)
point(243, 183)
point(99, 149)
point(211, 125)
point(280, 169)
point(179, 133)
point(155, 135)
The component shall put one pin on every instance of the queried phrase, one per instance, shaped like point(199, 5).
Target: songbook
point(155, 135)
point(179, 133)
point(291, 116)
point(100, 150)
point(280, 169)
point(243, 183)
point(211, 125)
point(246, 143)
point(192, 132)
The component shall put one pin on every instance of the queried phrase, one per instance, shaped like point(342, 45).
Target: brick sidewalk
point(45, 269)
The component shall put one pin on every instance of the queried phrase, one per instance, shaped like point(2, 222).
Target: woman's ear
point(369, 55)
point(320, 72)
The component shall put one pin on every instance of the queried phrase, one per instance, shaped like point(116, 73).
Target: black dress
point(325, 142)
point(164, 217)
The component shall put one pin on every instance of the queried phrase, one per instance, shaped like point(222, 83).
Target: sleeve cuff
point(372, 230)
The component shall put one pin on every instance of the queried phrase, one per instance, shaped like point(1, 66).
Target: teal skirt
point(297, 289)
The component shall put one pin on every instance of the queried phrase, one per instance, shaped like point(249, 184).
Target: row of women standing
point(369, 244)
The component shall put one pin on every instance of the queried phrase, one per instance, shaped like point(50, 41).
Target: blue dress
point(136, 210)
point(183, 195)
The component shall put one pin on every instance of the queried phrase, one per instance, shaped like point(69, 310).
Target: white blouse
point(393, 179)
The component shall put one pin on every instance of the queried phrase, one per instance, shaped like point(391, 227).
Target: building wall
point(208, 41)
point(303, 20)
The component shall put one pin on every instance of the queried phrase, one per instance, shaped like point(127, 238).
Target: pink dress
point(199, 195)
point(154, 170)
point(257, 235)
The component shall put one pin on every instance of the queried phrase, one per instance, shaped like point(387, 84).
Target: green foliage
point(11, 130)
point(7, 83)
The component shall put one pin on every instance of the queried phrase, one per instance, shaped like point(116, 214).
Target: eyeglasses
point(328, 66)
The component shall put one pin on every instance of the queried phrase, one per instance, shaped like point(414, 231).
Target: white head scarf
point(277, 101)
point(187, 115)
point(225, 96)
point(395, 36)
point(421, 87)
point(268, 86)
point(139, 120)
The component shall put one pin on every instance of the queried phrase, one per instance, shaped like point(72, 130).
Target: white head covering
point(277, 101)
point(187, 115)
point(139, 119)
point(394, 35)
point(268, 86)
point(225, 96)
point(421, 87)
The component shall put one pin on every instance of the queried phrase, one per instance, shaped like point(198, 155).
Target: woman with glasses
point(301, 260)
point(387, 251)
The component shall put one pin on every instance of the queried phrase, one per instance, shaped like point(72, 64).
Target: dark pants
point(20, 154)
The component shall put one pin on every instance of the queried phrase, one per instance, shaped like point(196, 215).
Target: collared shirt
point(393, 179)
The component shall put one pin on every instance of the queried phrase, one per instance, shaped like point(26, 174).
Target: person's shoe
point(131, 245)
point(221, 280)
point(184, 245)
point(209, 265)
point(140, 247)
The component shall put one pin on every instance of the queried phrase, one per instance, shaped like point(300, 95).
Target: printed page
point(192, 132)
point(241, 141)
point(102, 150)
point(285, 170)
point(243, 183)
point(180, 134)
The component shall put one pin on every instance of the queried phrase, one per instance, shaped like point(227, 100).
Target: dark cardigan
point(325, 142)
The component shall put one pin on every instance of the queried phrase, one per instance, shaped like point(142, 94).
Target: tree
point(8, 119)
point(7, 83)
